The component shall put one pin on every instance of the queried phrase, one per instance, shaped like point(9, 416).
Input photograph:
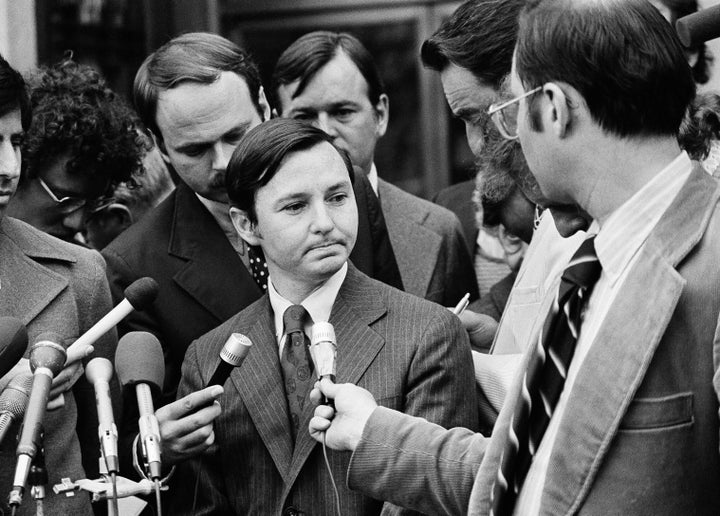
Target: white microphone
point(138, 295)
point(99, 372)
point(47, 359)
point(232, 355)
point(139, 363)
point(324, 352)
point(13, 400)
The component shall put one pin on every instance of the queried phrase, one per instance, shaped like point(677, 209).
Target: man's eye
point(303, 116)
point(294, 207)
point(193, 152)
point(338, 198)
point(344, 113)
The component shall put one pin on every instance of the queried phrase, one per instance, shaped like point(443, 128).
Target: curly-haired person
point(82, 142)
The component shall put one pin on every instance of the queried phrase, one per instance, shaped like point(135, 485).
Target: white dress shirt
point(318, 304)
point(617, 244)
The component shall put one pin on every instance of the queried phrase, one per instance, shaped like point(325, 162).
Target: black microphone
point(139, 364)
point(697, 28)
point(99, 372)
point(47, 359)
point(232, 355)
point(13, 401)
point(324, 351)
point(138, 295)
point(13, 343)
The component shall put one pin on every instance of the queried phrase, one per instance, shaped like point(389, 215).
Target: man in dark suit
point(291, 193)
point(330, 79)
point(198, 95)
point(50, 285)
point(631, 424)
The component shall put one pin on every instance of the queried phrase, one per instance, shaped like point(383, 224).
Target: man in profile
point(624, 396)
point(291, 194)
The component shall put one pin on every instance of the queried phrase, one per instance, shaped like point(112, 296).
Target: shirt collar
point(318, 304)
point(373, 178)
point(627, 228)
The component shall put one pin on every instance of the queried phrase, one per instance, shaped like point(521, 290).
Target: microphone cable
point(332, 478)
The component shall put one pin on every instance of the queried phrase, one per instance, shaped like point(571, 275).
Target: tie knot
point(584, 267)
point(294, 318)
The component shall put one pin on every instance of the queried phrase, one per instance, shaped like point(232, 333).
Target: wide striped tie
point(545, 376)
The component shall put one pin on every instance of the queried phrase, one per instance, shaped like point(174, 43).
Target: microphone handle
point(221, 374)
point(35, 412)
point(324, 400)
point(100, 328)
point(149, 430)
point(107, 431)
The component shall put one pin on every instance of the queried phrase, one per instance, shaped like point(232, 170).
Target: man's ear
point(264, 105)
point(382, 112)
point(245, 228)
point(556, 113)
point(160, 144)
point(121, 213)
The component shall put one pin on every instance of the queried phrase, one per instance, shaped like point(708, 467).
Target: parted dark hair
point(13, 93)
point(194, 57)
point(479, 36)
point(260, 153)
point(701, 126)
point(622, 56)
point(309, 53)
point(75, 113)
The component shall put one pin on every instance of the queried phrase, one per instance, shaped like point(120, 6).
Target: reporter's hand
point(186, 425)
point(66, 378)
point(343, 427)
point(480, 328)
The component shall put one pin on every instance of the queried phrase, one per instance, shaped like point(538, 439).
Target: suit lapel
point(260, 385)
point(416, 247)
point(26, 286)
point(358, 305)
point(214, 275)
point(624, 345)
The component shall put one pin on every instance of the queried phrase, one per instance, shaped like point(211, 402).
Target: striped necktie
point(545, 376)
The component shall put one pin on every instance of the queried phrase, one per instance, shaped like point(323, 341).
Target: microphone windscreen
point(235, 349)
point(13, 343)
point(15, 396)
point(139, 359)
point(140, 293)
point(47, 351)
point(697, 28)
point(99, 368)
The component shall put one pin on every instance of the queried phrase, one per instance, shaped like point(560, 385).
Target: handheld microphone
point(13, 343)
point(13, 401)
point(139, 363)
point(138, 295)
point(99, 372)
point(324, 352)
point(47, 359)
point(232, 355)
point(697, 28)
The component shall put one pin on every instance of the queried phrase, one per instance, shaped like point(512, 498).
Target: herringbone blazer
point(411, 354)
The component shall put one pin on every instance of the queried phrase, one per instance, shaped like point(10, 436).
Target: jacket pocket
point(651, 413)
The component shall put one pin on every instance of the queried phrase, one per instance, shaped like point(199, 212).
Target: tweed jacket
point(640, 431)
point(51, 285)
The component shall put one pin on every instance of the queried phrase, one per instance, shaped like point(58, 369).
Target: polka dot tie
point(258, 266)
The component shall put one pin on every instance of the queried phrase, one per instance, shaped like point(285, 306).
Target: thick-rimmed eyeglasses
point(505, 114)
point(67, 205)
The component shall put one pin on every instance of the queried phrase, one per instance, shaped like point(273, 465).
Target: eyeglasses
point(505, 114)
point(67, 205)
